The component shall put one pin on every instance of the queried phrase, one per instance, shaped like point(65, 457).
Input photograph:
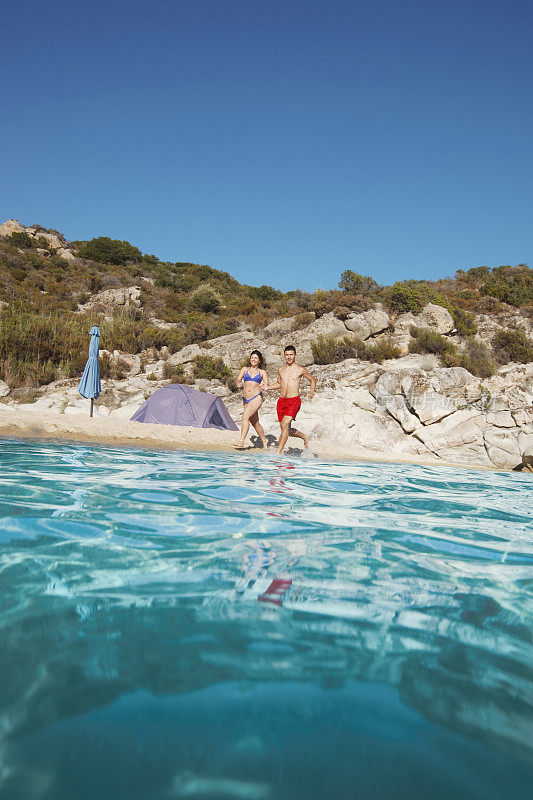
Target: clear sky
point(281, 141)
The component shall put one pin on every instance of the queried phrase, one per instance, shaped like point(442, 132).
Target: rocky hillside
point(441, 369)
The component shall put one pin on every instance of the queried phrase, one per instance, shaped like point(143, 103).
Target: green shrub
point(206, 300)
point(23, 239)
point(353, 283)
point(382, 350)
point(512, 345)
point(342, 312)
point(464, 322)
point(426, 340)
point(174, 373)
point(512, 285)
point(329, 350)
point(264, 293)
point(478, 359)
point(211, 369)
point(406, 296)
point(116, 369)
point(109, 251)
point(223, 327)
point(302, 320)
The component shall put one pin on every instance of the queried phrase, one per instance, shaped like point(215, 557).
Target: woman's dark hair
point(259, 356)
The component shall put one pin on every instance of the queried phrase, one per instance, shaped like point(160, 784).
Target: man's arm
point(312, 381)
point(241, 376)
point(276, 385)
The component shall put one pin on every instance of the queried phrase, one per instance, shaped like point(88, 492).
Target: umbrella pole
point(92, 401)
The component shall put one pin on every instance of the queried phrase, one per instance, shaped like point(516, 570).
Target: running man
point(289, 377)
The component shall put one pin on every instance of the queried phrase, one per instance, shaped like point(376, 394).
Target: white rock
point(418, 362)
point(459, 427)
point(67, 254)
point(327, 325)
point(51, 238)
point(76, 411)
point(525, 445)
point(125, 296)
point(435, 317)
point(361, 398)
point(377, 320)
point(396, 407)
point(501, 419)
point(524, 418)
point(390, 381)
point(279, 327)
point(428, 405)
point(502, 448)
point(358, 325)
point(401, 342)
point(449, 379)
point(185, 355)
point(4, 389)
point(155, 368)
point(11, 226)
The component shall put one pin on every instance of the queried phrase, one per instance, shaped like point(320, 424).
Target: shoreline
point(115, 432)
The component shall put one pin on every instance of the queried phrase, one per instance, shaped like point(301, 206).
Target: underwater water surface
point(197, 625)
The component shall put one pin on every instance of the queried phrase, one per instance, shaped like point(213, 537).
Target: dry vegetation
point(44, 337)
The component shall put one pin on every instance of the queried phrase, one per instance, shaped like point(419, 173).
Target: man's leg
point(284, 435)
point(299, 435)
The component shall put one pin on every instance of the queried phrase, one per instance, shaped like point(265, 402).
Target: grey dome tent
point(179, 404)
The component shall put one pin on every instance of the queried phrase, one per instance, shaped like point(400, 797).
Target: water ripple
point(173, 571)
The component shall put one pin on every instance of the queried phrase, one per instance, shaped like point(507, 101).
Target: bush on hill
point(478, 359)
point(23, 239)
point(174, 373)
point(109, 251)
point(202, 302)
point(405, 296)
point(512, 345)
point(353, 283)
point(464, 322)
point(511, 285)
point(205, 299)
point(380, 351)
point(37, 349)
point(214, 369)
point(329, 350)
point(264, 293)
point(426, 340)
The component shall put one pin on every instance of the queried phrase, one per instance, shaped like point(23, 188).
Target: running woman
point(253, 379)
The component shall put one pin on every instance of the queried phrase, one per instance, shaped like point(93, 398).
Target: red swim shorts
point(288, 407)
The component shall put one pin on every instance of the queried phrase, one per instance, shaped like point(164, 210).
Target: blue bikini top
point(248, 377)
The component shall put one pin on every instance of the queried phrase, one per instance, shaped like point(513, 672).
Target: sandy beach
point(23, 424)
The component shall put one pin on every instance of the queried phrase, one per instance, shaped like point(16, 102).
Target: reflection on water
point(191, 625)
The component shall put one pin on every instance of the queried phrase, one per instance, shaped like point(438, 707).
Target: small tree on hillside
point(353, 283)
point(109, 251)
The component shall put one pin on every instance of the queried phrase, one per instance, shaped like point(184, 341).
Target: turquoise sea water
point(191, 625)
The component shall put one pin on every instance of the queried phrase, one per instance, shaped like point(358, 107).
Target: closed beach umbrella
point(90, 386)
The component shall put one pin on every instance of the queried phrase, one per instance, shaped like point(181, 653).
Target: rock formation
point(406, 407)
point(53, 241)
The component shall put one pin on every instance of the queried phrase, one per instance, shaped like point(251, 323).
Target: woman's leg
point(249, 410)
point(254, 419)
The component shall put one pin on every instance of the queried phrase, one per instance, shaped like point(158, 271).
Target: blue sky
point(284, 141)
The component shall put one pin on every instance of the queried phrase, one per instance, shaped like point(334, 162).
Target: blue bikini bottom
point(252, 398)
